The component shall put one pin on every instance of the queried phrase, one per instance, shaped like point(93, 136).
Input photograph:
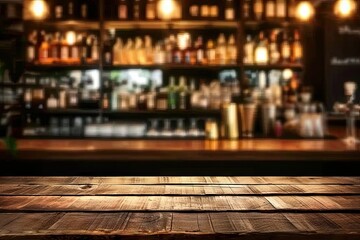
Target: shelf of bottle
point(175, 24)
point(272, 23)
point(64, 24)
point(292, 66)
point(192, 113)
point(61, 66)
point(173, 66)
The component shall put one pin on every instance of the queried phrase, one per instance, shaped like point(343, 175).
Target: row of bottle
point(68, 48)
point(176, 50)
point(269, 9)
point(160, 9)
point(182, 96)
point(273, 49)
point(94, 127)
point(74, 9)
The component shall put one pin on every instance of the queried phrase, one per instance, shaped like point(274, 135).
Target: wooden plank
point(179, 180)
point(191, 223)
point(312, 203)
point(148, 223)
point(314, 222)
point(133, 203)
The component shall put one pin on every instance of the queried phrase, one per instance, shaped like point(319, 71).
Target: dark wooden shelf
point(65, 24)
point(272, 23)
point(193, 113)
point(60, 67)
point(173, 66)
point(63, 112)
point(272, 66)
point(175, 24)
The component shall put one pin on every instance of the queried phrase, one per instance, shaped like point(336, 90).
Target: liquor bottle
point(27, 99)
point(270, 9)
point(211, 52)
point(187, 52)
point(221, 49)
point(229, 10)
point(214, 11)
point(261, 50)
point(183, 94)
point(52, 102)
point(122, 9)
point(258, 9)
point(151, 96)
point(84, 10)
point(117, 51)
point(108, 52)
point(31, 48)
point(84, 49)
point(54, 47)
point(95, 50)
point(285, 49)
point(177, 54)
point(293, 90)
point(249, 50)
point(231, 50)
point(64, 50)
point(273, 49)
point(281, 8)
point(297, 50)
point(44, 49)
point(58, 9)
point(172, 94)
point(140, 51)
point(291, 9)
point(194, 11)
point(200, 55)
point(150, 10)
point(105, 103)
point(136, 10)
point(247, 9)
point(149, 50)
point(70, 9)
point(130, 53)
point(168, 51)
point(74, 51)
point(204, 11)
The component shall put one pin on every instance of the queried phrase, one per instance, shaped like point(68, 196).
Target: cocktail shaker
point(229, 125)
point(247, 113)
point(268, 118)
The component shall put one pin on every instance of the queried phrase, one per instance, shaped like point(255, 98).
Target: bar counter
point(179, 153)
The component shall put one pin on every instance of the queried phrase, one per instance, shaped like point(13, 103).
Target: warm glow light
point(305, 11)
point(261, 55)
point(287, 74)
point(166, 8)
point(183, 39)
point(345, 8)
point(38, 9)
point(71, 38)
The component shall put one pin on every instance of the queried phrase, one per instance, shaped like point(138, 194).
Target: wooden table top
point(250, 208)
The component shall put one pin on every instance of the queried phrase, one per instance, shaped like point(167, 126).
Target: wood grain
point(250, 208)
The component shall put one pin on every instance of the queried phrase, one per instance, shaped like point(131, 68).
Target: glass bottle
point(95, 50)
point(70, 9)
point(184, 97)
point(84, 10)
point(229, 10)
point(249, 50)
point(258, 9)
point(44, 49)
point(31, 48)
point(117, 48)
point(211, 52)
point(54, 47)
point(270, 9)
point(297, 50)
point(172, 94)
point(200, 56)
point(231, 50)
point(150, 10)
point(136, 10)
point(285, 49)
point(221, 49)
point(64, 51)
point(148, 50)
point(261, 50)
point(247, 9)
point(180, 129)
point(122, 9)
point(273, 49)
point(281, 8)
point(59, 9)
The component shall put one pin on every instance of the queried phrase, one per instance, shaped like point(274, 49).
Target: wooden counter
point(186, 154)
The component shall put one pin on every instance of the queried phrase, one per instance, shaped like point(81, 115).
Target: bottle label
point(286, 52)
point(270, 9)
point(75, 52)
point(281, 9)
point(64, 52)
